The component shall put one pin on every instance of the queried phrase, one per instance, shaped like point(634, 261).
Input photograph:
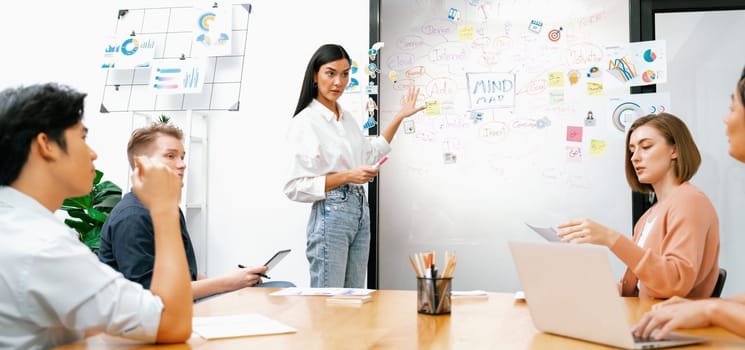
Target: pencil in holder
point(433, 295)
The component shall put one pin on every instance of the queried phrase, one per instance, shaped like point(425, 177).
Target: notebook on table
point(571, 291)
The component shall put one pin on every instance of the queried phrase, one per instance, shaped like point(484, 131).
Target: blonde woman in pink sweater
point(728, 313)
point(675, 246)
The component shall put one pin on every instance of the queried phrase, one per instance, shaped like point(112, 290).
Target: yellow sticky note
point(594, 89)
point(597, 147)
point(433, 107)
point(555, 79)
point(465, 32)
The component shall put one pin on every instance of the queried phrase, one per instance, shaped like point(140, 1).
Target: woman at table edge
point(727, 313)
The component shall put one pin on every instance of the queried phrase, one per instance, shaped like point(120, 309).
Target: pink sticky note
point(574, 133)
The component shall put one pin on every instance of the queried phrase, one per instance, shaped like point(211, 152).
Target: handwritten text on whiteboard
point(491, 90)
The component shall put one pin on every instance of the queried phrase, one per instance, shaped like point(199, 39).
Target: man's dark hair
point(26, 112)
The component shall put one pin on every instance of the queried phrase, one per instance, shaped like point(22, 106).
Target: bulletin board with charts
point(176, 58)
point(527, 107)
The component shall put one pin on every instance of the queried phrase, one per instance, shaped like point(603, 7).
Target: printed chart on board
point(176, 59)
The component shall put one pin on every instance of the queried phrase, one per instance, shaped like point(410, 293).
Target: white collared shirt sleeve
point(319, 145)
point(67, 284)
point(53, 288)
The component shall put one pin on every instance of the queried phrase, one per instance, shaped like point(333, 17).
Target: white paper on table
point(549, 233)
point(215, 327)
point(469, 294)
point(321, 291)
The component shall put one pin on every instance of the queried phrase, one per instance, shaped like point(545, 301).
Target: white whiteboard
point(467, 179)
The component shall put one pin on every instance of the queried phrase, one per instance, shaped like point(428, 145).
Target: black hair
point(325, 54)
point(26, 112)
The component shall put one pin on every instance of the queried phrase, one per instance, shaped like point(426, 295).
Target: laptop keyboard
point(647, 340)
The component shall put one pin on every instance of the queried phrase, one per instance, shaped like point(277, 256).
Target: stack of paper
point(321, 291)
point(469, 294)
point(237, 326)
point(349, 299)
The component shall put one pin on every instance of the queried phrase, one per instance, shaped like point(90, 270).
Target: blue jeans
point(339, 239)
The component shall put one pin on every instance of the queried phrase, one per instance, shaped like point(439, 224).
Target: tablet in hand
point(274, 260)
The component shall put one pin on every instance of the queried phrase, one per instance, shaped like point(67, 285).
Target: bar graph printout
point(175, 76)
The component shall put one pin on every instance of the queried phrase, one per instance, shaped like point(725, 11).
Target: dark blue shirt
point(128, 244)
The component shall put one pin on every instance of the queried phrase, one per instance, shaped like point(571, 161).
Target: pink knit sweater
point(681, 252)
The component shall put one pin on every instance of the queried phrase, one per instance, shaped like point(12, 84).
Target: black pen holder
point(433, 295)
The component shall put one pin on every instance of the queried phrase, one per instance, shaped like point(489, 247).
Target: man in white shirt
point(53, 290)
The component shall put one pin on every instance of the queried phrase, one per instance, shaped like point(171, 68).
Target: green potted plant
point(89, 212)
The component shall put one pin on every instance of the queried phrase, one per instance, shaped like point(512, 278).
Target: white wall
point(248, 216)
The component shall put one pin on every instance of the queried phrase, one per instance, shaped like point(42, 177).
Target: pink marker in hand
point(380, 162)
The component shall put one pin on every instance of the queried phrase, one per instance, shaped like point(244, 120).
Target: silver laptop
point(571, 291)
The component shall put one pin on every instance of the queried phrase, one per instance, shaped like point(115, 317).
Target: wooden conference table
point(390, 321)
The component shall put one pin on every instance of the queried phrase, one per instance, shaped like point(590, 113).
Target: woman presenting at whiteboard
point(330, 161)
point(675, 249)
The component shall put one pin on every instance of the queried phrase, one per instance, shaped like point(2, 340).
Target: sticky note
point(433, 107)
point(555, 79)
point(597, 147)
point(574, 133)
point(594, 89)
point(556, 96)
point(465, 32)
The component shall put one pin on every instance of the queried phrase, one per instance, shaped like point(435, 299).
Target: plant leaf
point(78, 202)
point(99, 175)
point(107, 186)
point(79, 226)
point(79, 214)
point(96, 214)
point(92, 210)
point(92, 238)
point(107, 203)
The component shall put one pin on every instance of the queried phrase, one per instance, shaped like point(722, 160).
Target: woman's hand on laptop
point(587, 231)
point(659, 322)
